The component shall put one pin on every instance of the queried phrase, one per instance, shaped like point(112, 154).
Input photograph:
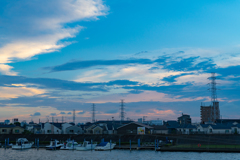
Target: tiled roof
point(140, 124)
point(7, 126)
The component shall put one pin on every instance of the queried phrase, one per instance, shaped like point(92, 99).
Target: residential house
point(160, 129)
point(219, 129)
point(11, 129)
point(6, 129)
point(186, 129)
point(64, 127)
point(97, 129)
point(17, 130)
point(172, 126)
point(51, 128)
point(132, 128)
point(73, 130)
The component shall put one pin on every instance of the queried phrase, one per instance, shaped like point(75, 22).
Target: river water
point(41, 154)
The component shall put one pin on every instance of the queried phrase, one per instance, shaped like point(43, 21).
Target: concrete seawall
point(177, 139)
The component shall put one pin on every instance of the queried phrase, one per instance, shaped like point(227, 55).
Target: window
point(226, 131)
point(49, 131)
point(16, 130)
point(71, 131)
point(4, 130)
point(210, 130)
point(198, 130)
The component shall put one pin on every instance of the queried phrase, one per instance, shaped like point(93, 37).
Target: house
point(6, 129)
point(65, 126)
point(219, 129)
point(36, 129)
point(172, 126)
point(11, 129)
point(73, 130)
point(51, 128)
point(186, 129)
point(132, 128)
point(202, 128)
point(97, 129)
point(17, 130)
point(160, 129)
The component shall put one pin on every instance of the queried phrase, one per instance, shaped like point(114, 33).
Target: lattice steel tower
point(215, 112)
point(74, 116)
point(93, 113)
point(122, 112)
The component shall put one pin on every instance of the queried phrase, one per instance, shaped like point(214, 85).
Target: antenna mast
point(93, 113)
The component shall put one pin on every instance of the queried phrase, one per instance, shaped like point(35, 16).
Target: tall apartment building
point(210, 113)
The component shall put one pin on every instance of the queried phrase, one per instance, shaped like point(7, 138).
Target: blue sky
point(60, 55)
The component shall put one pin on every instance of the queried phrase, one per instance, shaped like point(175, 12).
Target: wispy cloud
point(37, 27)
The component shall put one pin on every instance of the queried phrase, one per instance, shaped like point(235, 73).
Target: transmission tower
point(122, 112)
point(74, 116)
point(215, 113)
point(93, 113)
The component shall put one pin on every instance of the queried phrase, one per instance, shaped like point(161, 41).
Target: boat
point(54, 144)
point(104, 146)
point(70, 145)
point(22, 143)
point(86, 146)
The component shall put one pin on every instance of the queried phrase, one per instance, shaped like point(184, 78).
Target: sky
point(61, 55)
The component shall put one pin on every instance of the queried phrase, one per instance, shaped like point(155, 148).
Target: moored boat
point(70, 145)
point(54, 144)
point(22, 143)
point(104, 146)
point(86, 146)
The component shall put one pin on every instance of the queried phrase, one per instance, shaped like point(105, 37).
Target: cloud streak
point(37, 27)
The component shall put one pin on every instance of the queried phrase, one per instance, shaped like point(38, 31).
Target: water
point(42, 154)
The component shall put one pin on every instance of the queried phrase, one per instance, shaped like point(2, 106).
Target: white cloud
point(14, 92)
point(142, 97)
point(36, 27)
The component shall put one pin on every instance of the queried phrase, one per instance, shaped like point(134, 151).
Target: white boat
point(54, 144)
point(86, 146)
point(104, 146)
point(69, 145)
point(22, 143)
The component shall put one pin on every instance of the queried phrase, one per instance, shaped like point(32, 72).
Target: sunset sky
point(60, 55)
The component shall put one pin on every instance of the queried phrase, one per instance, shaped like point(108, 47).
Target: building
point(11, 129)
point(172, 126)
point(184, 119)
point(140, 120)
point(51, 128)
point(210, 113)
point(74, 130)
point(160, 129)
point(97, 129)
point(186, 129)
point(132, 128)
